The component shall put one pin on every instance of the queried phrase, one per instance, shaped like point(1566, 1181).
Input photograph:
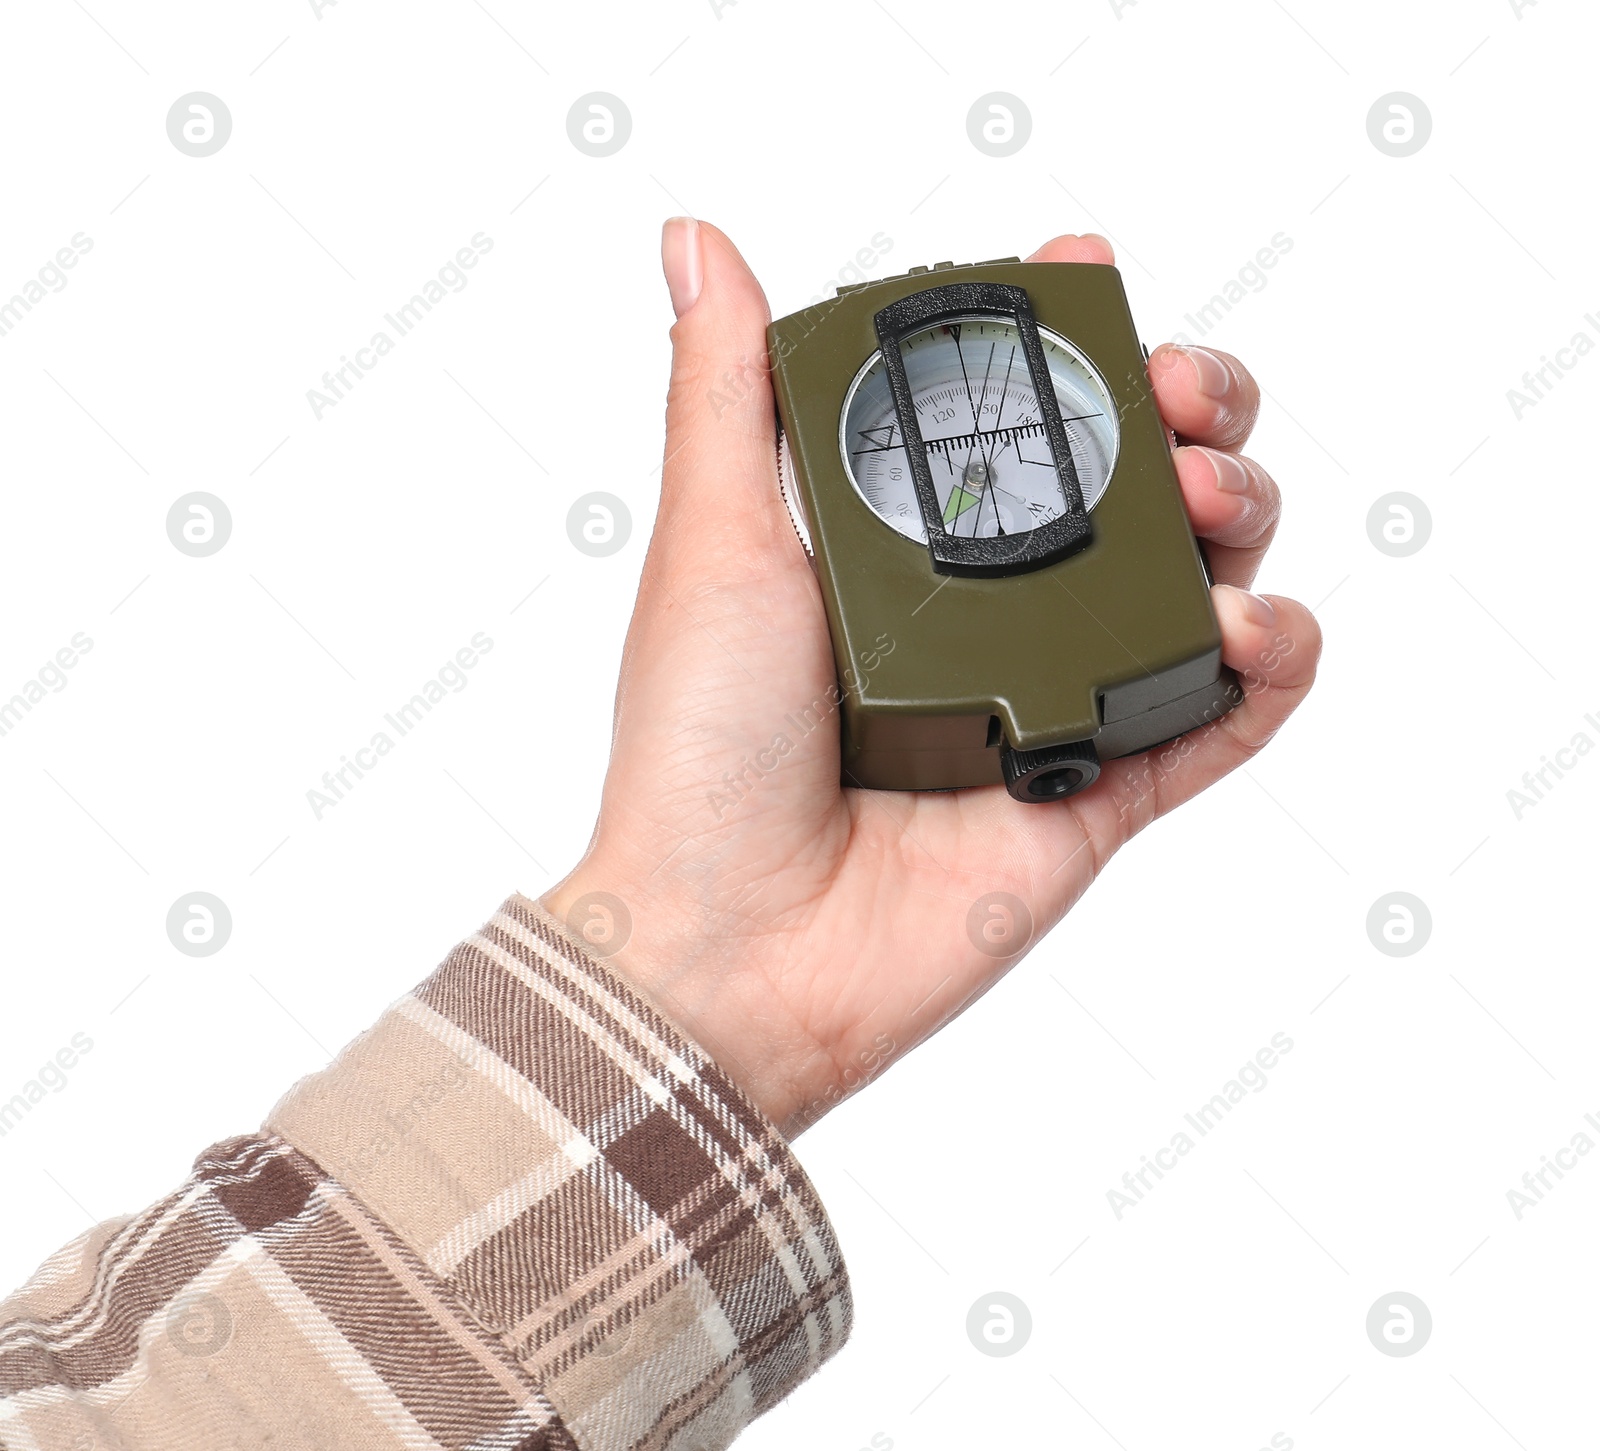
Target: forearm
point(523, 1209)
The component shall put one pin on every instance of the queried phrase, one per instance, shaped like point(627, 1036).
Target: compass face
point(981, 429)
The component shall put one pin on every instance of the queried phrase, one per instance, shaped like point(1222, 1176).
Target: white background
point(369, 145)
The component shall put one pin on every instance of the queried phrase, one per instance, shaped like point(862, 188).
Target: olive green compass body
point(973, 458)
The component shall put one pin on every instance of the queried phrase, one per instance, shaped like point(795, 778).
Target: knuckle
point(1237, 423)
point(1266, 508)
point(1250, 736)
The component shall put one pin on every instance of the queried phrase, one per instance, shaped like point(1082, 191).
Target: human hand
point(804, 934)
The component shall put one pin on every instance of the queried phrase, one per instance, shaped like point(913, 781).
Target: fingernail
point(1257, 610)
point(680, 261)
point(1232, 476)
point(1211, 372)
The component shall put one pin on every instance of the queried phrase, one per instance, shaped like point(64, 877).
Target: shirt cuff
point(589, 1186)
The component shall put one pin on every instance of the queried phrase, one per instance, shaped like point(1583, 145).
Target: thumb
point(719, 479)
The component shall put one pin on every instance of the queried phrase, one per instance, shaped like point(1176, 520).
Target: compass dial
point(981, 429)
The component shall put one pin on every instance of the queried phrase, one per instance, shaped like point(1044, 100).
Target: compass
point(980, 421)
point(973, 459)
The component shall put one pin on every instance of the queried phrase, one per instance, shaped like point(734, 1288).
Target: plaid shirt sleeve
point(521, 1212)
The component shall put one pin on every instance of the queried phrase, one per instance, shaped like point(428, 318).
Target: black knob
point(1051, 773)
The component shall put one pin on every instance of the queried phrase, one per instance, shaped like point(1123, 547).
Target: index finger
point(1090, 247)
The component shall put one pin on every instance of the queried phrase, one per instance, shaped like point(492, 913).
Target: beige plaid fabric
point(521, 1212)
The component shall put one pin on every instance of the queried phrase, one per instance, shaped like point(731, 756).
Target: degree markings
point(946, 395)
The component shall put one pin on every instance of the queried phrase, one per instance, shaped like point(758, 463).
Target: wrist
point(701, 981)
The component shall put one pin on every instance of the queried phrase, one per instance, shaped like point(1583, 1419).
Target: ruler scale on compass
point(974, 461)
